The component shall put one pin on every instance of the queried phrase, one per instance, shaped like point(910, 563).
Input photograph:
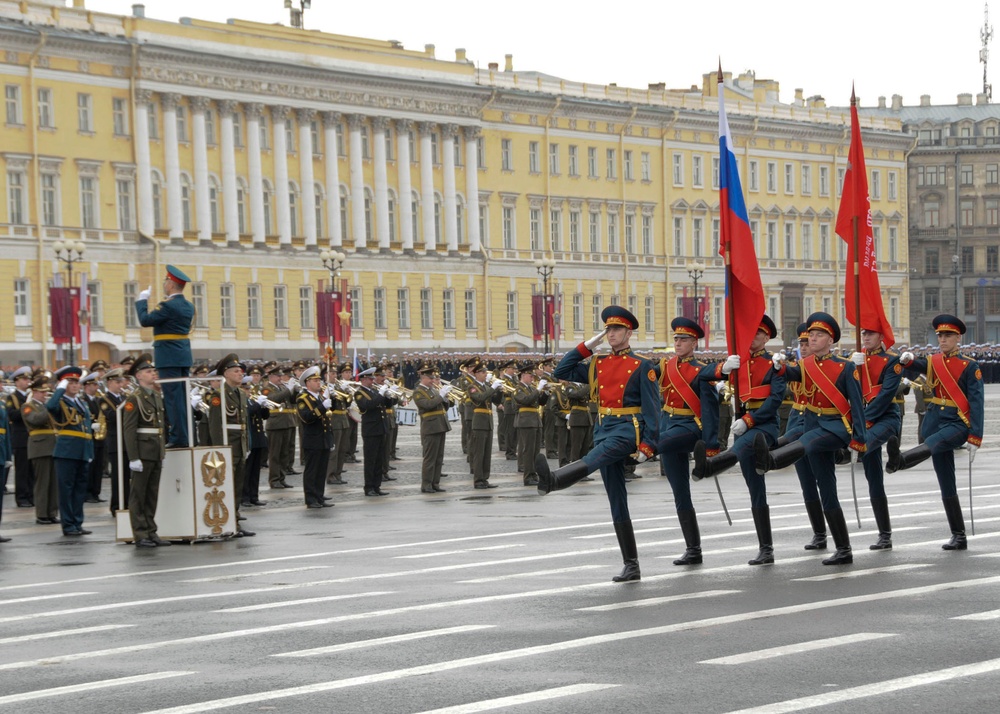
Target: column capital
point(354, 121)
point(449, 131)
point(199, 104)
point(473, 132)
point(426, 127)
point(170, 100)
point(253, 110)
point(143, 96)
point(380, 124)
point(332, 119)
point(227, 106)
point(280, 112)
point(305, 116)
point(404, 126)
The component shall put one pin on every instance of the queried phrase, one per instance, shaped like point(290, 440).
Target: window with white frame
point(627, 169)
point(678, 236)
point(126, 204)
point(535, 228)
point(629, 233)
point(678, 169)
point(840, 181)
point(508, 228)
point(265, 135)
point(480, 152)
point(533, 161)
point(130, 294)
point(824, 241)
point(254, 319)
point(715, 172)
point(182, 135)
point(772, 177)
point(772, 239)
point(16, 198)
point(88, 202)
point(578, 312)
point(789, 240)
point(46, 114)
point(470, 310)
point(366, 151)
point(12, 94)
point(152, 113)
point(96, 300)
point(50, 199)
point(612, 232)
point(892, 177)
point(650, 325)
point(644, 167)
point(119, 116)
point(506, 159)
point(697, 176)
point(554, 159)
point(592, 162)
point(512, 311)
point(595, 232)
point(199, 300)
point(647, 235)
point(697, 236)
point(573, 161)
point(575, 244)
point(894, 240)
point(306, 307)
point(22, 302)
point(357, 308)
point(426, 309)
point(753, 175)
point(226, 307)
point(612, 163)
point(807, 179)
point(789, 179)
point(876, 185)
point(186, 211)
point(280, 293)
point(807, 247)
point(209, 126)
point(378, 304)
point(715, 236)
point(403, 308)
point(824, 181)
point(555, 229)
point(241, 206)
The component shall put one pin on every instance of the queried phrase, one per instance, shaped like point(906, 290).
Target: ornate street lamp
point(545, 268)
point(70, 252)
point(695, 270)
point(333, 260)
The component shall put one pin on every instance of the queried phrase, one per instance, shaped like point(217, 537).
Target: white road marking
point(798, 648)
point(875, 689)
point(458, 552)
point(88, 686)
point(362, 644)
point(259, 573)
point(531, 574)
point(438, 667)
point(306, 601)
point(60, 633)
point(862, 572)
point(648, 602)
point(35, 598)
point(504, 702)
point(976, 616)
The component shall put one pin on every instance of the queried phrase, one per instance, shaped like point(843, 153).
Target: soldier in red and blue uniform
point(624, 386)
point(954, 417)
point(690, 413)
point(171, 322)
point(6, 457)
point(760, 391)
point(834, 418)
point(880, 374)
point(74, 448)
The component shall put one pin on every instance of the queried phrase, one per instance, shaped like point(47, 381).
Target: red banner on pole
point(64, 308)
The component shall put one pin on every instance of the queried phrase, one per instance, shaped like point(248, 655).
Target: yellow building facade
point(239, 151)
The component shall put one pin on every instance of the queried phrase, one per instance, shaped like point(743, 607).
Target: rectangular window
point(824, 241)
point(966, 213)
point(426, 316)
point(96, 303)
point(875, 187)
point(555, 229)
point(697, 180)
point(612, 163)
point(554, 159)
point(357, 308)
point(755, 232)
point(50, 199)
point(575, 244)
point(790, 241)
point(578, 312)
point(154, 123)
point(932, 262)
point(678, 169)
point(789, 178)
point(15, 197)
point(119, 116)
point(595, 232)
point(46, 115)
point(591, 162)
point(697, 236)
point(968, 259)
point(470, 310)
point(630, 234)
point(772, 239)
point(649, 325)
point(535, 228)
point(403, 308)
point(595, 312)
point(306, 307)
point(508, 228)
point(226, 307)
point(647, 235)
point(88, 202)
point(932, 299)
point(992, 259)
point(434, 149)
point(647, 174)
point(965, 175)
point(679, 237)
point(772, 177)
point(84, 113)
point(181, 123)
point(199, 300)
point(715, 236)
point(574, 161)
point(753, 175)
point(265, 140)
point(22, 302)
point(126, 205)
point(280, 307)
point(612, 232)
point(480, 153)
point(715, 172)
point(12, 93)
point(807, 248)
point(932, 214)
point(366, 150)
point(840, 181)
point(389, 156)
point(992, 174)
point(533, 161)
point(893, 244)
point(512, 312)
point(505, 155)
point(627, 170)
point(824, 181)
point(254, 320)
point(970, 300)
point(130, 294)
point(990, 205)
point(893, 190)
point(807, 179)
point(379, 308)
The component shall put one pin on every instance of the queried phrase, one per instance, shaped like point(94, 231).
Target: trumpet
point(454, 395)
point(202, 392)
point(255, 394)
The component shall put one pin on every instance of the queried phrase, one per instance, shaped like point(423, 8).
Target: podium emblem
point(213, 475)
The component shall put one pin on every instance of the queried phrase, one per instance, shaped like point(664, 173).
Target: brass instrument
point(255, 393)
point(727, 391)
point(203, 392)
point(100, 426)
point(454, 395)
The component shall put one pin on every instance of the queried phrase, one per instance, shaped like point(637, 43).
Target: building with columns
point(237, 151)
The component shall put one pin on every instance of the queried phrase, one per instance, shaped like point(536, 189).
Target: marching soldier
point(550, 412)
point(74, 448)
point(529, 401)
point(430, 399)
point(90, 396)
point(6, 458)
point(24, 479)
point(41, 430)
point(233, 424)
point(627, 426)
point(280, 425)
point(390, 424)
point(834, 418)
point(482, 396)
point(508, 373)
point(372, 404)
point(258, 413)
point(340, 430)
point(954, 417)
point(108, 404)
point(144, 438)
point(313, 410)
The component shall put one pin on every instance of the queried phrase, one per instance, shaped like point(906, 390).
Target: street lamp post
point(545, 267)
point(70, 252)
point(695, 271)
point(298, 14)
point(333, 260)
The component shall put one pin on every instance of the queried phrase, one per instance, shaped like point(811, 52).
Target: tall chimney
point(981, 98)
point(493, 66)
point(965, 100)
point(460, 54)
point(925, 100)
point(508, 63)
point(429, 50)
point(881, 101)
point(897, 102)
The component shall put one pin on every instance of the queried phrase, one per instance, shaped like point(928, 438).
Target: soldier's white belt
point(148, 430)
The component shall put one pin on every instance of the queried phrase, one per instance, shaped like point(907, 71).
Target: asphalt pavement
point(501, 600)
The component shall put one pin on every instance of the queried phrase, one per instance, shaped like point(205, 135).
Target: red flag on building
point(855, 210)
point(64, 307)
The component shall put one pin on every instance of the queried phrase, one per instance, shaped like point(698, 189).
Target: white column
point(450, 201)
point(172, 162)
point(203, 214)
point(379, 125)
point(403, 128)
point(331, 120)
point(227, 138)
point(427, 184)
point(278, 116)
point(309, 228)
point(472, 187)
point(256, 199)
point(144, 166)
point(354, 122)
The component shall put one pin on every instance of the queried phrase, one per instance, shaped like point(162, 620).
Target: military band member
point(508, 373)
point(372, 404)
point(880, 374)
point(108, 404)
point(280, 425)
point(340, 429)
point(6, 459)
point(41, 444)
point(74, 448)
point(954, 417)
point(380, 384)
point(171, 322)
point(626, 387)
point(89, 393)
point(560, 405)
point(24, 479)
point(313, 411)
point(465, 408)
point(234, 425)
point(760, 390)
point(689, 414)
point(834, 419)
point(144, 437)
point(528, 423)
point(580, 421)
point(257, 413)
point(430, 399)
point(482, 396)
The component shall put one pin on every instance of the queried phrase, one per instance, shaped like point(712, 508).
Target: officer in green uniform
point(235, 424)
point(41, 444)
point(528, 423)
point(143, 436)
point(429, 398)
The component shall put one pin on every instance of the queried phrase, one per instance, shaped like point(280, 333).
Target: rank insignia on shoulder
point(651, 374)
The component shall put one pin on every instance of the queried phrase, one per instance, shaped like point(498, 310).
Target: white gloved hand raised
point(739, 427)
point(858, 358)
point(596, 340)
point(383, 388)
point(260, 399)
point(135, 465)
point(542, 383)
point(144, 295)
point(327, 403)
point(778, 360)
point(496, 384)
point(445, 388)
point(63, 384)
point(972, 451)
point(195, 400)
point(732, 362)
point(906, 358)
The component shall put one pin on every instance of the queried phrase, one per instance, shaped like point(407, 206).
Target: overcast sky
point(885, 46)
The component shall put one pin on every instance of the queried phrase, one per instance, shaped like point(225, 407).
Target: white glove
point(906, 358)
point(445, 389)
point(906, 382)
point(720, 386)
point(972, 451)
point(858, 358)
point(496, 384)
point(260, 399)
point(855, 456)
point(640, 457)
point(567, 417)
point(8, 464)
point(135, 465)
point(144, 295)
point(739, 427)
point(63, 384)
point(195, 400)
point(95, 426)
point(541, 384)
point(778, 360)
point(383, 388)
point(594, 341)
point(732, 362)
point(327, 403)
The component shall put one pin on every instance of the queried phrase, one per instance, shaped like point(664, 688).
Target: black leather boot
point(838, 529)
point(559, 479)
point(897, 461)
point(705, 466)
point(815, 511)
point(880, 507)
point(630, 555)
point(843, 457)
point(953, 509)
point(692, 538)
point(782, 441)
point(762, 522)
point(769, 459)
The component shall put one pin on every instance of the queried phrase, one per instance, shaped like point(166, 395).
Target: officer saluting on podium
point(171, 322)
point(144, 440)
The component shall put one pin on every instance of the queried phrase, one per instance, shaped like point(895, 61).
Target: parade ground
point(501, 600)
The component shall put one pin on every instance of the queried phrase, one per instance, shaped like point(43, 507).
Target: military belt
point(436, 412)
point(77, 434)
point(580, 409)
point(477, 410)
point(823, 411)
point(338, 411)
point(754, 404)
point(799, 407)
point(41, 432)
point(158, 338)
point(678, 411)
point(283, 411)
point(148, 430)
point(528, 409)
point(618, 411)
point(942, 402)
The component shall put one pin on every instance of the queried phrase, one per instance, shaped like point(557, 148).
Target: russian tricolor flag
point(744, 293)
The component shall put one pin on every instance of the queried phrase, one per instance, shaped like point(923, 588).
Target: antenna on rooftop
point(986, 34)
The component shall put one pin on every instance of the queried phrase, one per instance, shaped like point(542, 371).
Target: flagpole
point(857, 260)
point(730, 303)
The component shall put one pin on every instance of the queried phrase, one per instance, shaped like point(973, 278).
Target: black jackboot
point(769, 460)
point(898, 461)
point(880, 507)
point(815, 511)
point(838, 529)
point(953, 509)
point(692, 538)
point(630, 555)
point(705, 466)
point(559, 479)
point(843, 457)
point(762, 522)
